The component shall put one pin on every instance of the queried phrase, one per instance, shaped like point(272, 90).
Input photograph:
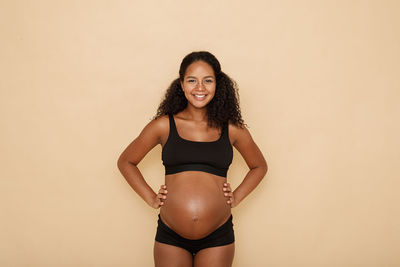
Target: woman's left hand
point(229, 195)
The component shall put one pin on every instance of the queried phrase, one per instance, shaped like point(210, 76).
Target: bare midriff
point(195, 204)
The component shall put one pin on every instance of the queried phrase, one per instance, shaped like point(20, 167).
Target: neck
point(196, 114)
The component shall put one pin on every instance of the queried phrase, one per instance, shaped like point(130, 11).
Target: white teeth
point(199, 95)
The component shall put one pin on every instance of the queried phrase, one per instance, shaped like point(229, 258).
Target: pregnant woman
point(197, 124)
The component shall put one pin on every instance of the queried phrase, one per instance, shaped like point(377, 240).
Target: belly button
point(195, 218)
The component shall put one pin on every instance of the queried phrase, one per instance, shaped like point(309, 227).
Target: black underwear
point(223, 235)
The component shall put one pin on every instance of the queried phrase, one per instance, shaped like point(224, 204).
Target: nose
point(201, 86)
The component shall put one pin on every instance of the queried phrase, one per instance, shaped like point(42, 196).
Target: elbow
point(264, 168)
point(261, 168)
point(122, 162)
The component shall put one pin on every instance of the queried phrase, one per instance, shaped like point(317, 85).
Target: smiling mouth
point(199, 97)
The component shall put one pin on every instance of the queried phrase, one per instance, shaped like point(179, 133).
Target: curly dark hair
point(223, 108)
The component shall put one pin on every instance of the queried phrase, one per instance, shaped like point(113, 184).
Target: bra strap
point(225, 129)
point(172, 126)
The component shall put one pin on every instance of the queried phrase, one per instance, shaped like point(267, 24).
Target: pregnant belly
point(195, 204)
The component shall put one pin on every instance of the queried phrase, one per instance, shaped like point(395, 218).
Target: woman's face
point(199, 84)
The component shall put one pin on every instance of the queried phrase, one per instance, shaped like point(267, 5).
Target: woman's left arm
point(255, 160)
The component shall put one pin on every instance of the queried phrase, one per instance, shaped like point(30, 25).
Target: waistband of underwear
point(224, 228)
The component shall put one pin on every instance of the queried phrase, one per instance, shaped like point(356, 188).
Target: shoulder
point(238, 134)
point(158, 127)
point(160, 124)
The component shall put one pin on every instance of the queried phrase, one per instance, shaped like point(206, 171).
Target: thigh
point(167, 255)
point(221, 256)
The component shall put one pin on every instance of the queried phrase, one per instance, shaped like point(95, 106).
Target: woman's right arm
point(127, 163)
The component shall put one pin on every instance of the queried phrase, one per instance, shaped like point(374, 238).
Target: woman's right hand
point(160, 197)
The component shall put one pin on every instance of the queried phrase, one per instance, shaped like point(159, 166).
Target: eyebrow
point(204, 77)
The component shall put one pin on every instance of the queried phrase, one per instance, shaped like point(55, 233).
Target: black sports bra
point(180, 155)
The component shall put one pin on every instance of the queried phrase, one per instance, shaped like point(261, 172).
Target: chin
point(199, 105)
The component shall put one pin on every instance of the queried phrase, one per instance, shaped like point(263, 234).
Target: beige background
point(319, 87)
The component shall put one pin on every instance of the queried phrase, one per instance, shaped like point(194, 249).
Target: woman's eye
point(191, 81)
point(209, 81)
